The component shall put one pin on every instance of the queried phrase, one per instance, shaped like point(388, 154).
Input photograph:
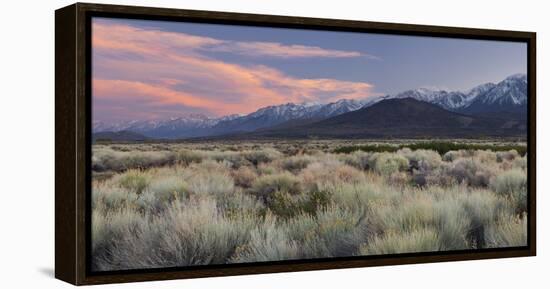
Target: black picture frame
point(73, 141)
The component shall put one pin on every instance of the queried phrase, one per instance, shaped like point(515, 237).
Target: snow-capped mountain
point(449, 100)
point(275, 115)
point(190, 125)
point(196, 125)
point(507, 98)
point(342, 106)
point(509, 95)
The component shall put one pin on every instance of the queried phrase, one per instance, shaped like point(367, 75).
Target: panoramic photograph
point(223, 144)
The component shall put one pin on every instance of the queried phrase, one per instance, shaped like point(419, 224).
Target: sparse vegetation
point(163, 205)
point(440, 147)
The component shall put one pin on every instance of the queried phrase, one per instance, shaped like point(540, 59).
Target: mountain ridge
point(400, 117)
point(507, 98)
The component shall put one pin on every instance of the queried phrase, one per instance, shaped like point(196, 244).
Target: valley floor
point(184, 204)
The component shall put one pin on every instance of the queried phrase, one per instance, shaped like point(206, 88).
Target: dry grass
point(195, 204)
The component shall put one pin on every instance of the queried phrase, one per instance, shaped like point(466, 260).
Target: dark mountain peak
point(406, 101)
point(401, 118)
point(405, 111)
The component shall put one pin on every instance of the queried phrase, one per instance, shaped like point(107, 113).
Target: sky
point(144, 69)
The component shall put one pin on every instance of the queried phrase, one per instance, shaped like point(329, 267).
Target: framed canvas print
point(196, 143)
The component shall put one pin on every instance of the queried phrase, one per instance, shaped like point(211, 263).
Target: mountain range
point(489, 109)
point(399, 118)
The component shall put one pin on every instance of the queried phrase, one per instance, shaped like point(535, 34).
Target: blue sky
point(151, 69)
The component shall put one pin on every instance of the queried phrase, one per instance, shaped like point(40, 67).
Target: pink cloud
point(274, 49)
point(170, 69)
point(139, 91)
point(136, 40)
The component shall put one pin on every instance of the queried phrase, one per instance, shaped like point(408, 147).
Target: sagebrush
point(165, 205)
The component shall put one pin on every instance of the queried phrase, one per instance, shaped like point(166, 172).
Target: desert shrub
point(135, 181)
point(479, 155)
point(485, 156)
point(213, 182)
point(187, 234)
point(268, 169)
point(352, 196)
point(437, 177)
point(234, 205)
point(453, 224)
point(295, 164)
point(329, 173)
point(339, 232)
point(302, 229)
point(286, 206)
point(316, 200)
point(122, 148)
point(149, 203)
point(520, 163)
point(261, 156)
point(108, 159)
point(386, 163)
point(364, 197)
point(482, 207)
point(108, 230)
point(99, 232)
point(471, 172)
point(268, 242)
point(440, 147)
point(508, 231)
point(232, 158)
point(348, 174)
point(167, 188)
point(423, 160)
point(267, 185)
point(240, 204)
point(110, 198)
point(506, 156)
point(399, 179)
point(148, 159)
point(419, 240)
point(357, 159)
point(186, 157)
point(512, 184)
point(367, 148)
point(407, 215)
point(244, 176)
point(451, 156)
point(202, 235)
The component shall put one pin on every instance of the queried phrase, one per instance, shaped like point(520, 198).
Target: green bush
point(507, 232)
point(187, 157)
point(268, 242)
point(295, 164)
point(261, 156)
point(483, 208)
point(512, 184)
point(135, 181)
point(387, 164)
point(440, 147)
point(420, 240)
point(285, 182)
